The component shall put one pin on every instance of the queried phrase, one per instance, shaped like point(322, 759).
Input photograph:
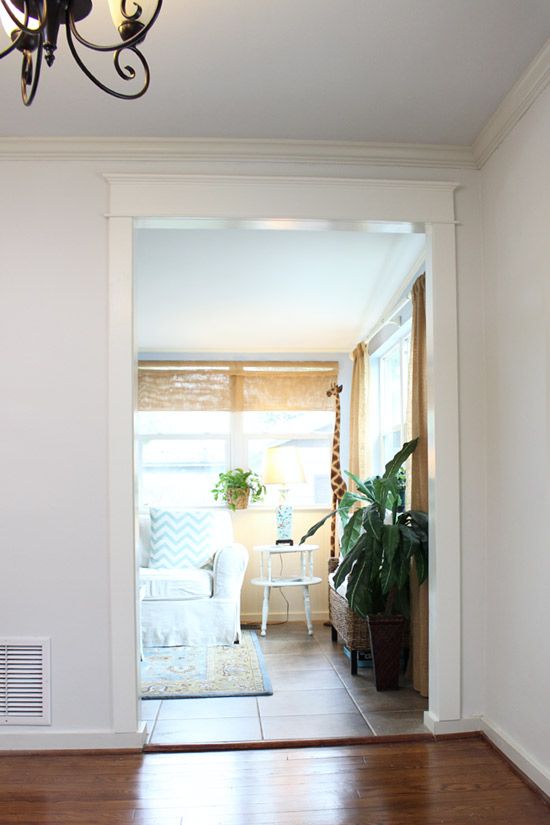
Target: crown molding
point(519, 99)
point(173, 150)
point(306, 153)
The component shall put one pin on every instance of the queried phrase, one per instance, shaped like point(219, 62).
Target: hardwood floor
point(413, 783)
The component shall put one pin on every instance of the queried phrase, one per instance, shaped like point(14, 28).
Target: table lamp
point(283, 466)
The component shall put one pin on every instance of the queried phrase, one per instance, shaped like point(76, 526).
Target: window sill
point(254, 508)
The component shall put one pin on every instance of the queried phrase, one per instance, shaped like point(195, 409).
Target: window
point(179, 455)
point(389, 381)
point(180, 452)
point(311, 432)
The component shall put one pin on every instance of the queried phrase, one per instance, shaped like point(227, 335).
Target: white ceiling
point(245, 290)
point(430, 71)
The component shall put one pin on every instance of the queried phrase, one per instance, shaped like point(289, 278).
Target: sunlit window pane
point(180, 472)
point(392, 400)
point(390, 388)
point(282, 423)
point(177, 423)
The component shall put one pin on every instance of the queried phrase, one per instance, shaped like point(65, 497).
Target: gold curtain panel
point(419, 481)
point(235, 385)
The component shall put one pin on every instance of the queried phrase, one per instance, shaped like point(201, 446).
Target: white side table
point(304, 580)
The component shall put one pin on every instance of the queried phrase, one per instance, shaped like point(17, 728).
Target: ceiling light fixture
point(33, 27)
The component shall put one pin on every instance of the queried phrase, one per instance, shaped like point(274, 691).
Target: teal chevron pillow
point(181, 538)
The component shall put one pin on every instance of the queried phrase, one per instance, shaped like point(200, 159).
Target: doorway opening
point(380, 205)
point(212, 296)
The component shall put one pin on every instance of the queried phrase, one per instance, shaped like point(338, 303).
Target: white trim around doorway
point(377, 204)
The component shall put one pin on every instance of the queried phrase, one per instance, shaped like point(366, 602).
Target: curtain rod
point(388, 319)
point(407, 285)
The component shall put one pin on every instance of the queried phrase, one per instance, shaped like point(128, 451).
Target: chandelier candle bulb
point(130, 22)
point(9, 24)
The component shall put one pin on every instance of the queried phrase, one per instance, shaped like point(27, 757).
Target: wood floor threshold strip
point(273, 744)
point(287, 744)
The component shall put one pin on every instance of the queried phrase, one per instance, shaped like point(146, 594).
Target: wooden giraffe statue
point(336, 481)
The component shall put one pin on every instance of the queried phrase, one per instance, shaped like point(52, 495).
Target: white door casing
point(376, 203)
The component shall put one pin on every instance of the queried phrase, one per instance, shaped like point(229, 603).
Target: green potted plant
point(401, 488)
point(237, 487)
point(377, 548)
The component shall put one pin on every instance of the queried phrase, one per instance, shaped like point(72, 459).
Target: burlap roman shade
point(235, 385)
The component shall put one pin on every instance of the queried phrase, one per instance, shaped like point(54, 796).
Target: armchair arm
point(229, 566)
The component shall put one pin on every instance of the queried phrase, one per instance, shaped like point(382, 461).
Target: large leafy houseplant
point(379, 543)
point(237, 486)
point(377, 549)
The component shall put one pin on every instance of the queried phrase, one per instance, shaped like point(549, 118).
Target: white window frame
point(375, 403)
point(236, 453)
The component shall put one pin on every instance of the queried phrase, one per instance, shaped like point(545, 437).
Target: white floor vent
point(24, 681)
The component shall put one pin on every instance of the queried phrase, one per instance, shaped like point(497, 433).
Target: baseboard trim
point(32, 741)
point(535, 774)
point(280, 618)
point(531, 771)
point(440, 727)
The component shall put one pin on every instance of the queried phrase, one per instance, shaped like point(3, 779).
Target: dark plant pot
point(386, 641)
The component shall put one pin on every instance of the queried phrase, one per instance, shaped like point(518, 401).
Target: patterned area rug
point(204, 672)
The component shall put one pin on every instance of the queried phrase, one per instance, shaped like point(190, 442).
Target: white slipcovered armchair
point(191, 574)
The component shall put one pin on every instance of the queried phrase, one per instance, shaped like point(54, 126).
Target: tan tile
point(286, 661)
point(180, 732)
point(315, 726)
point(292, 647)
point(306, 703)
point(387, 723)
point(305, 680)
point(217, 708)
point(370, 700)
point(149, 709)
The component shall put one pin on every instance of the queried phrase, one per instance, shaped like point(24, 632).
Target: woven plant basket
point(353, 630)
point(238, 498)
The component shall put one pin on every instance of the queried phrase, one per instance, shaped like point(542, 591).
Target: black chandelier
point(33, 27)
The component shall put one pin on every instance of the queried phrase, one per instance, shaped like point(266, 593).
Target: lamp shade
point(283, 465)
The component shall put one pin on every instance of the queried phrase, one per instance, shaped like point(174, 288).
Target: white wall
point(53, 326)
point(516, 215)
point(257, 526)
point(53, 322)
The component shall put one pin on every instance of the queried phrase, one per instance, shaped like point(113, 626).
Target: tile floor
point(314, 697)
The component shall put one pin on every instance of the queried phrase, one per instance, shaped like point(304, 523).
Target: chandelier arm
point(126, 14)
point(13, 45)
point(22, 25)
point(132, 41)
point(30, 74)
point(126, 72)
